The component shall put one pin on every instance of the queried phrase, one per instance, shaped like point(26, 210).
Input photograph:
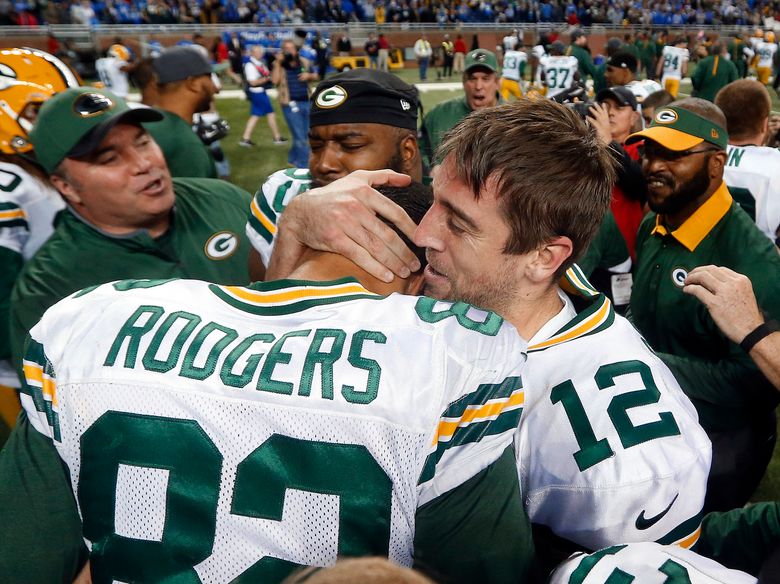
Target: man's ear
point(409, 149)
point(66, 189)
point(717, 163)
point(549, 257)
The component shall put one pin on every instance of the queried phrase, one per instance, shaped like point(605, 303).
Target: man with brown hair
point(752, 171)
point(500, 234)
point(696, 222)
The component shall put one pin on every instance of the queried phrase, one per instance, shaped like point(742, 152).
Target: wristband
point(761, 331)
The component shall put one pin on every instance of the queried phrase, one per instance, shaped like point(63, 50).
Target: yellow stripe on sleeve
point(689, 541)
point(447, 429)
point(585, 327)
point(259, 297)
point(260, 216)
point(12, 214)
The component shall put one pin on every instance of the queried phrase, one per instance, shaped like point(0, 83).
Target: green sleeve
point(12, 265)
point(731, 382)
point(588, 65)
point(41, 538)
point(477, 532)
point(698, 75)
point(741, 539)
point(607, 250)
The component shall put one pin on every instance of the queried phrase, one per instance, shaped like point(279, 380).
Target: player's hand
point(599, 119)
point(729, 298)
point(342, 218)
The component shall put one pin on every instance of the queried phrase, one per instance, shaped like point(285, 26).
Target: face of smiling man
point(122, 186)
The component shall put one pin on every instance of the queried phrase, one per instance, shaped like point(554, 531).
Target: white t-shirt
point(752, 174)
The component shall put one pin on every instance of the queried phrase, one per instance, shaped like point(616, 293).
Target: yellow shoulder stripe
point(35, 376)
point(448, 426)
point(690, 540)
point(12, 214)
point(260, 216)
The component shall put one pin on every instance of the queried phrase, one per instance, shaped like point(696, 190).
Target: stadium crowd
point(527, 336)
point(292, 12)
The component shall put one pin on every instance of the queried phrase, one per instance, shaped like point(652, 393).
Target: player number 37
point(594, 450)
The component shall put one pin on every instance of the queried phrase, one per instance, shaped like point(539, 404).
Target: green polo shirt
point(585, 61)
point(720, 378)
point(711, 75)
point(184, 152)
point(206, 241)
point(438, 122)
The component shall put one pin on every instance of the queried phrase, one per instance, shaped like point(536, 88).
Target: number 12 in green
point(594, 450)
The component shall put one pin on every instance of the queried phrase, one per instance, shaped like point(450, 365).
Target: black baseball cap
point(364, 96)
point(179, 63)
point(623, 95)
point(623, 60)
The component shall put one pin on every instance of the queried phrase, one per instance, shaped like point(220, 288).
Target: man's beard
point(685, 194)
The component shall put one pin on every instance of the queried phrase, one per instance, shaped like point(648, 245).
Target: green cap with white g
point(678, 129)
point(74, 122)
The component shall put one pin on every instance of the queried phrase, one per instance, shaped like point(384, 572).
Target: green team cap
point(74, 122)
point(481, 58)
point(679, 129)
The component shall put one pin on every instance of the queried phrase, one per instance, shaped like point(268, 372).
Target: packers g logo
point(221, 245)
point(666, 116)
point(331, 97)
point(678, 277)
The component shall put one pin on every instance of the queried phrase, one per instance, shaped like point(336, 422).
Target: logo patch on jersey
point(331, 97)
point(666, 116)
point(221, 245)
point(643, 522)
point(678, 277)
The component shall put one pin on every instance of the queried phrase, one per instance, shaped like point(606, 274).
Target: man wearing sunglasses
point(696, 222)
point(125, 217)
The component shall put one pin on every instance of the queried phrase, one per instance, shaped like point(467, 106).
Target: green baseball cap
point(481, 58)
point(678, 129)
point(74, 122)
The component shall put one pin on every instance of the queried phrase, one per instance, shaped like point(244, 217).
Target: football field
point(250, 166)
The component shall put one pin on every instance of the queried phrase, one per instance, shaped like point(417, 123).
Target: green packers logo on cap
point(666, 116)
point(331, 97)
point(479, 57)
point(221, 245)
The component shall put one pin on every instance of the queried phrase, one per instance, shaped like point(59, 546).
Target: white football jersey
point(642, 88)
point(766, 54)
point(109, 69)
point(249, 430)
point(610, 450)
point(512, 64)
point(268, 203)
point(510, 43)
point(645, 563)
point(27, 210)
point(752, 175)
point(539, 53)
point(558, 72)
point(674, 59)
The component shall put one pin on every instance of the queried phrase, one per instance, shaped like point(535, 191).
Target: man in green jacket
point(480, 86)
point(713, 73)
point(579, 49)
point(126, 217)
point(696, 222)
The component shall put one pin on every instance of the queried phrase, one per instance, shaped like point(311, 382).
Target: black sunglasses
point(653, 151)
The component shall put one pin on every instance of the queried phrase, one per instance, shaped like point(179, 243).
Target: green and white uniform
point(645, 563)
point(766, 54)
point(610, 450)
point(27, 211)
point(268, 203)
point(219, 432)
point(674, 59)
point(558, 73)
point(752, 175)
point(514, 65)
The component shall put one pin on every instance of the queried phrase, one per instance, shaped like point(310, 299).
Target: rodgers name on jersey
point(214, 433)
point(610, 449)
point(268, 203)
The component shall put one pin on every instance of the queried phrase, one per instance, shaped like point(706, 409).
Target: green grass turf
point(250, 167)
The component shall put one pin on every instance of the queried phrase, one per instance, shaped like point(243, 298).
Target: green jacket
point(438, 122)
point(646, 50)
point(585, 60)
point(184, 152)
point(712, 74)
point(720, 378)
point(206, 241)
